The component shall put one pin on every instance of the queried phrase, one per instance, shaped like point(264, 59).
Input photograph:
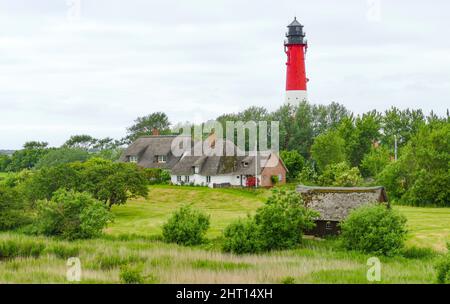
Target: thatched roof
point(147, 147)
point(217, 162)
point(335, 203)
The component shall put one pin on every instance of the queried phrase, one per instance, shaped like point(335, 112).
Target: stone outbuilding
point(335, 203)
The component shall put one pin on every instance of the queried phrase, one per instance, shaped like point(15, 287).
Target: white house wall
point(197, 179)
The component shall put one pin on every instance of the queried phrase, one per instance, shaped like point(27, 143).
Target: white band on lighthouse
point(294, 97)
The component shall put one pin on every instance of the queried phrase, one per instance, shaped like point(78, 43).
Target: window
point(196, 169)
point(178, 178)
point(208, 179)
point(133, 159)
point(161, 158)
point(328, 226)
point(186, 179)
point(280, 177)
point(245, 164)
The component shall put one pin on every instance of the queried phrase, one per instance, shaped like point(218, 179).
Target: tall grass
point(43, 260)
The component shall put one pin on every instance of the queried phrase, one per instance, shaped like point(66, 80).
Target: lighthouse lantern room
point(295, 48)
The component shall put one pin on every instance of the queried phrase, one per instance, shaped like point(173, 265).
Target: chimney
point(155, 132)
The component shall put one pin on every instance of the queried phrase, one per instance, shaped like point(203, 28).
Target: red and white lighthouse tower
point(295, 48)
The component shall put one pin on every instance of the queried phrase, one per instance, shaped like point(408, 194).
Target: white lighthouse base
point(294, 97)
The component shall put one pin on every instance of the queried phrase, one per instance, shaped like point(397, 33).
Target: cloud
point(196, 60)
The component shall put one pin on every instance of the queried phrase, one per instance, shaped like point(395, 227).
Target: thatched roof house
point(152, 151)
point(335, 203)
point(210, 168)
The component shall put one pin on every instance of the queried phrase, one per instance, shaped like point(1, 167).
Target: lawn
point(133, 240)
point(429, 227)
point(146, 216)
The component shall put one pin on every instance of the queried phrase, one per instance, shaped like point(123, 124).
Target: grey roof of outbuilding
point(335, 203)
point(317, 189)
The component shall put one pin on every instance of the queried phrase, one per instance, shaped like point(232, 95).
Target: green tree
point(375, 161)
point(85, 142)
point(144, 126)
point(28, 157)
point(340, 175)
point(328, 148)
point(401, 123)
point(421, 175)
point(13, 210)
point(62, 156)
point(5, 161)
point(109, 182)
point(294, 162)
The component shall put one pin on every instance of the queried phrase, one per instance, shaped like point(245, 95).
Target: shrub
point(131, 275)
point(157, 176)
point(282, 220)
point(186, 226)
point(340, 174)
point(279, 224)
point(242, 237)
point(374, 229)
point(12, 209)
point(443, 268)
point(71, 215)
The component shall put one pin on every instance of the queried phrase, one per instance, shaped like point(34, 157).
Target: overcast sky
point(67, 69)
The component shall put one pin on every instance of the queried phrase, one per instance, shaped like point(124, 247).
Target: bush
point(71, 215)
point(283, 219)
point(279, 224)
point(187, 227)
point(242, 237)
point(129, 275)
point(443, 268)
point(12, 209)
point(157, 176)
point(374, 229)
point(340, 175)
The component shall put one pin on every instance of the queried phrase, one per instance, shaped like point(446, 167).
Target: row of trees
point(321, 144)
point(71, 200)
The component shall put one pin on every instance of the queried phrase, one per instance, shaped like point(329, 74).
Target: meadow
point(133, 240)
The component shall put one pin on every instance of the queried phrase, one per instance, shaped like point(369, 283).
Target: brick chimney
point(155, 132)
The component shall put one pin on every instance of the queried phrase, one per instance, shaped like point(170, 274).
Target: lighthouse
point(295, 48)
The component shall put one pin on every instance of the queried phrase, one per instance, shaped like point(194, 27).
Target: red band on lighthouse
point(295, 48)
point(296, 75)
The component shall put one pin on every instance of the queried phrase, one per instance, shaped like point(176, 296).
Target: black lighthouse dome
point(295, 33)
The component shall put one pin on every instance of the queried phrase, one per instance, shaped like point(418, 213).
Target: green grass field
point(134, 240)
point(429, 227)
